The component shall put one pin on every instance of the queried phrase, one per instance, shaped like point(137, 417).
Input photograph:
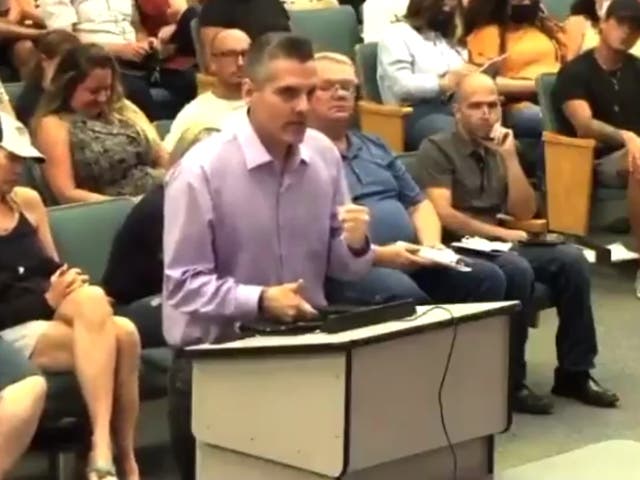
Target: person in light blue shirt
point(401, 218)
point(420, 64)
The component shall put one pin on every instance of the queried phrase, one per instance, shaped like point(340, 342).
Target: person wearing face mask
point(583, 27)
point(531, 43)
point(420, 63)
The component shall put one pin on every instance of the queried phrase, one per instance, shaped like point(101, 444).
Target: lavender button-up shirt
point(235, 223)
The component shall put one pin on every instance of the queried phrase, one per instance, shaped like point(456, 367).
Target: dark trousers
point(183, 442)
point(565, 271)
point(485, 283)
point(180, 85)
point(146, 314)
point(427, 118)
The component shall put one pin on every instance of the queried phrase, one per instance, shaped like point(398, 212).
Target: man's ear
point(248, 90)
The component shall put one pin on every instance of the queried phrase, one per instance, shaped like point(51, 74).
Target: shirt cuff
point(362, 251)
point(247, 301)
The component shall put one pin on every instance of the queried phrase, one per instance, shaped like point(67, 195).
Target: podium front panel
point(287, 408)
point(394, 391)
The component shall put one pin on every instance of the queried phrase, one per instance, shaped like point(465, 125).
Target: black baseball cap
point(624, 9)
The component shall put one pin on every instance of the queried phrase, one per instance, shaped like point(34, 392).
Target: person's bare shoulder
point(51, 125)
point(30, 203)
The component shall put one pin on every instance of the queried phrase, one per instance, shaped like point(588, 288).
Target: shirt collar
point(253, 150)
point(354, 147)
point(466, 146)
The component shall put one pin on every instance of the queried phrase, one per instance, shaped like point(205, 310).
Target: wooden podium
point(357, 405)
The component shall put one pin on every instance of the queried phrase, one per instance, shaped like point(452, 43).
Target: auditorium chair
point(329, 29)
point(83, 234)
point(559, 9)
point(384, 121)
point(574, 205)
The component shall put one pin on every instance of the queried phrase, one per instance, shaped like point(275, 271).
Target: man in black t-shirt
point(597, 95)
point(254, 17)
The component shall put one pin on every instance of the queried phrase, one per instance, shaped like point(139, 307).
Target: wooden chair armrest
point(367, 106)
point(535, 225)
point(551, 137)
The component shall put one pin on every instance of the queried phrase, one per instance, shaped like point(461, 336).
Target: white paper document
point(480, 244)
point(445, 257)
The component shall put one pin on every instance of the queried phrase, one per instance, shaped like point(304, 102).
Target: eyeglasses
point(346, 86)
point(230, 54)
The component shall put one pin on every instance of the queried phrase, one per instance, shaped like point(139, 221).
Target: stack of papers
point(479, 244)
point(445, 257)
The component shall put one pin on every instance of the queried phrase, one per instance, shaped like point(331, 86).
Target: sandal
point(103, 471)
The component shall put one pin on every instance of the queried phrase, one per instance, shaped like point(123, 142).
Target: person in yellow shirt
point(212, 108)
point(533, 44)
point(583, 27)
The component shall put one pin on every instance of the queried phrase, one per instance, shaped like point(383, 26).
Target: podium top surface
point(427, 317)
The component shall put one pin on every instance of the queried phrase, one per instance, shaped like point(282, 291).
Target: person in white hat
point(51, 313)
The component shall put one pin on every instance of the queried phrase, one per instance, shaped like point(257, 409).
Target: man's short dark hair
point(275, 46)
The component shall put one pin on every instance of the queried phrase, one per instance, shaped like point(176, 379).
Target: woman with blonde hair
point(97, 144)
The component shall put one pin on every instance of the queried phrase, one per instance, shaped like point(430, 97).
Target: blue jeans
point(427, 118)
point(526, 123)
point(565, 272)
point(484, 283)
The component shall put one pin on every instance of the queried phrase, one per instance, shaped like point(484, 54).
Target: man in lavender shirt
point(255, 219)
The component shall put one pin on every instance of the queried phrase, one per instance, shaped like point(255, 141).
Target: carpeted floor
point(531, 438)
point(573, 425)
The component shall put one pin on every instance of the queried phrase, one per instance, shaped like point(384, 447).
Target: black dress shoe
point(525, 400)
point(583, 387)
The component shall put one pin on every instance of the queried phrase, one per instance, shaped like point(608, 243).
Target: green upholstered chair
point(330, 29)
point(385, 121)
point(574, 206)
point(83, 234)
point(559, 9)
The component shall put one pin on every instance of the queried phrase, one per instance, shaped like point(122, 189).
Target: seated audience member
point(5, 102)
point(533, 44)
point(377, 15)
point(473, 174)
point(209, 283)
point(170, 22)
point(401, 217)
point(138, 55)
point(211, 108)
point(420, 64)
point(97, 145)
point(22, 395)
point(255, 17)
point(134, 269)
point(76, 330)
point(17, 37)
point(597, 93)
point(582, 27)
point(51, 46)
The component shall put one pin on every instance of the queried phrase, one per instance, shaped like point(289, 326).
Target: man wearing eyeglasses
point(210, 109)
point(401, 218)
